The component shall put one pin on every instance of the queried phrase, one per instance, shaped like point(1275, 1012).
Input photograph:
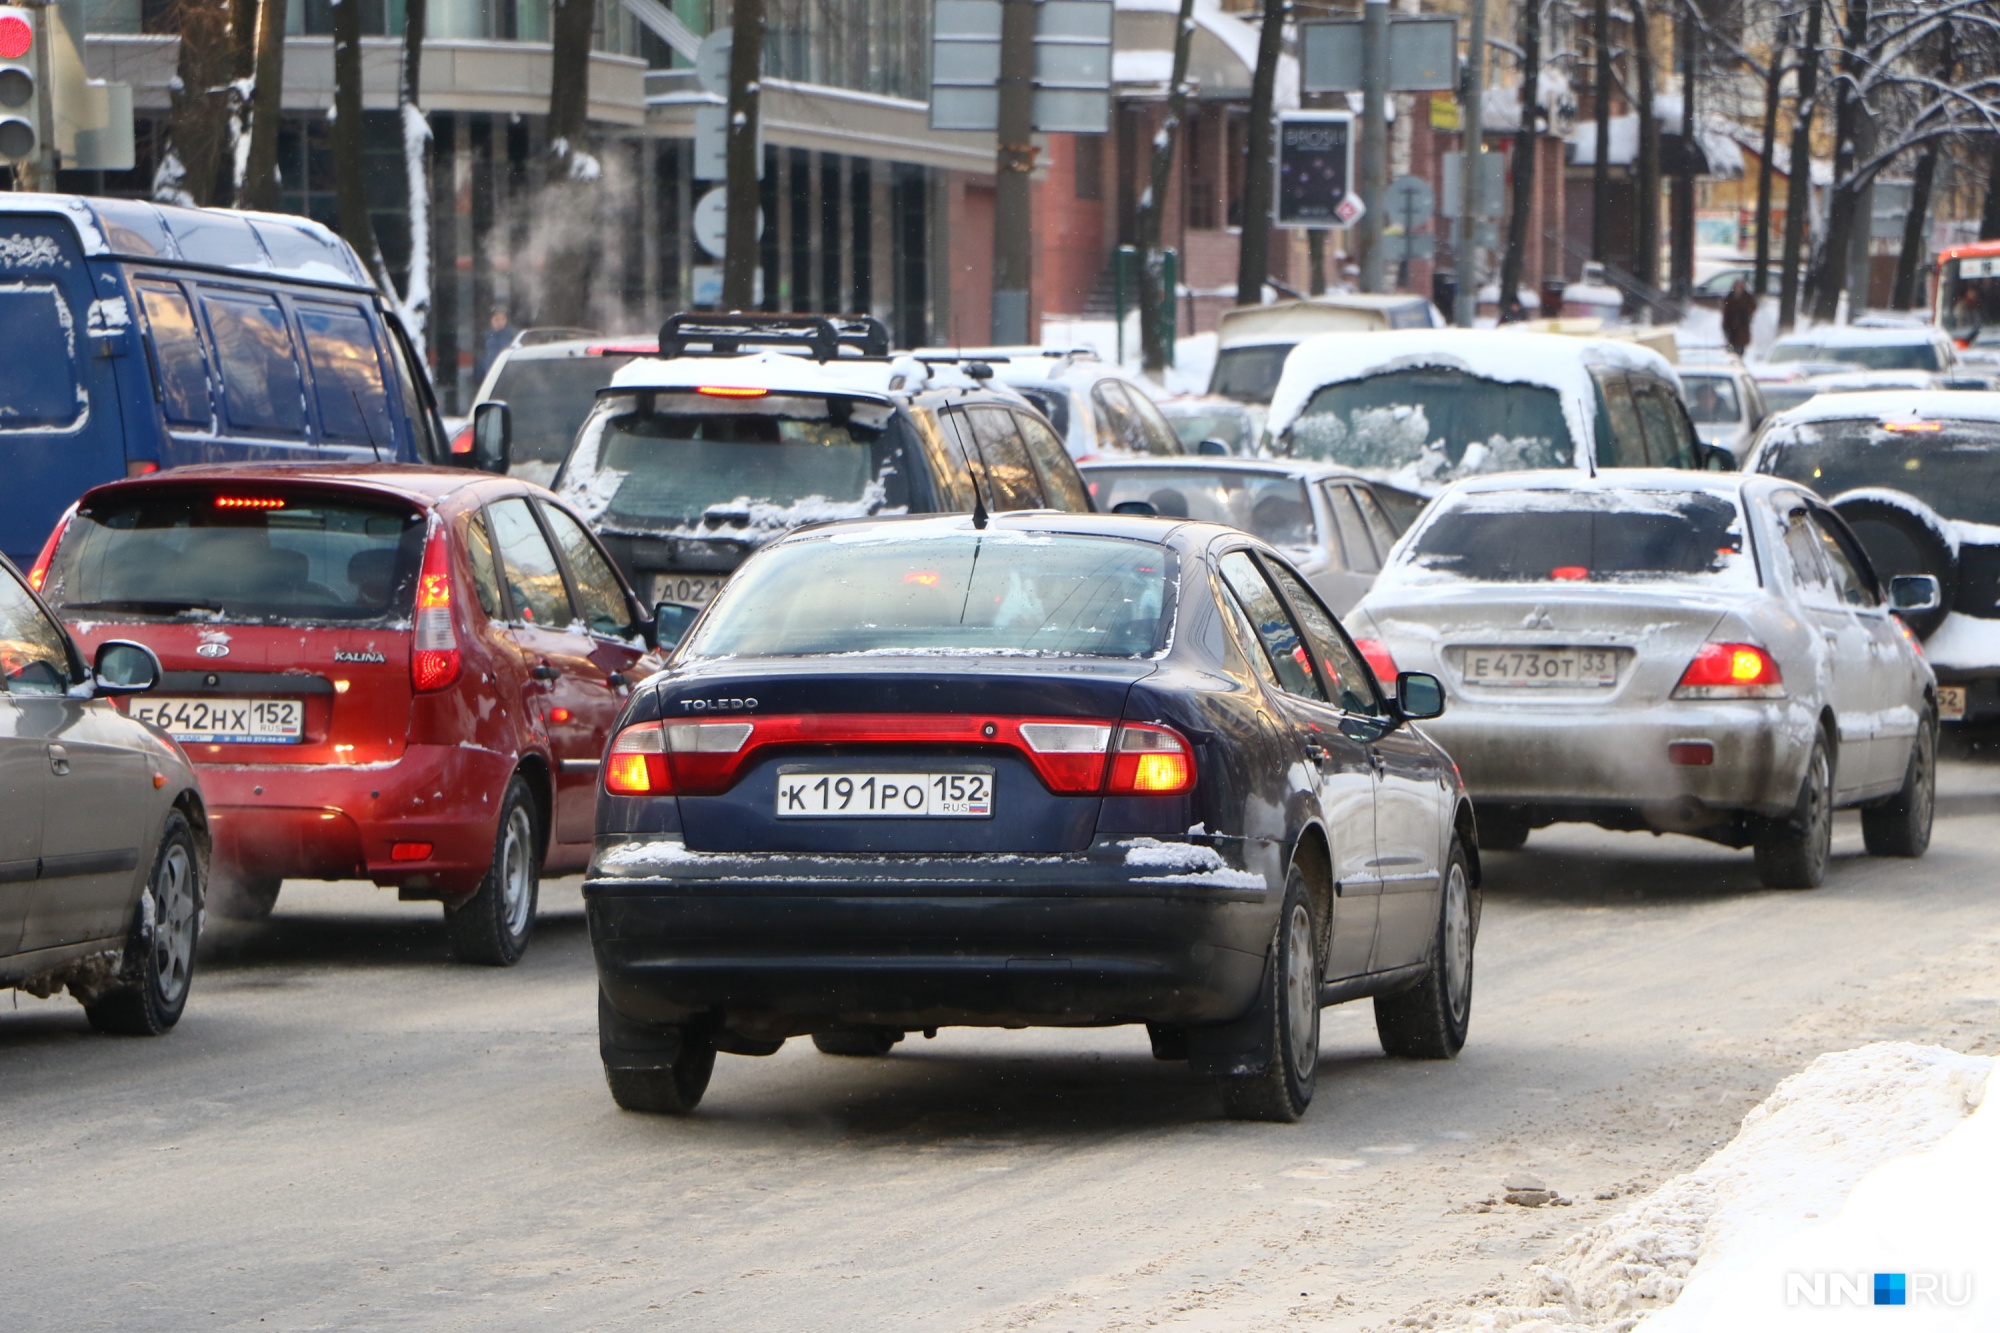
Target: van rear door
point(61, 431)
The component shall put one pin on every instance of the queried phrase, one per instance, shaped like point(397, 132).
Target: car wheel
point(1429, 1020)
point(1903, 535)
point(240, 898)
point(159, 960)
point(1501, 831)
point(493, 925)
point(1288, 1005)
point(857, 1041)
point(1793, 852)
point(1901, 825)
point(667, 1078)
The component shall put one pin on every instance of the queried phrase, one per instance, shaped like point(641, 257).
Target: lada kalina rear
point(399, 674)
point(1050, 769)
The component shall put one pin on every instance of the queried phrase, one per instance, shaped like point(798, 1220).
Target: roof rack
point(541, 337)
point(728, 334)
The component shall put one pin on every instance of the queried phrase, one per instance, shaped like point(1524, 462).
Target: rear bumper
point(775, 946)
point(1556, 757)
point(341, 823)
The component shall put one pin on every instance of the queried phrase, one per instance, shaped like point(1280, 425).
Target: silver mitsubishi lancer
point(1709, 654)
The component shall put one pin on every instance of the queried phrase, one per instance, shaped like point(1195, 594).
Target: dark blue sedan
point(1057, 770)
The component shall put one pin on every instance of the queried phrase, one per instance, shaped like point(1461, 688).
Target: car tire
point(244, 898)
point(1901, 825)
point(857, 1041)
point(159, 959)
point(1903, 535)
point(1429, 1020)
point(492, 927)
point(675, 1090)
point(1501, 831)
point(1793, 852)
point(1288, 1005)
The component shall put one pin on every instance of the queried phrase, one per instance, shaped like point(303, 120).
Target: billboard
point(1316, 169)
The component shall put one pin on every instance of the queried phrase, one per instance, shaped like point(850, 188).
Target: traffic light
point(20, 90)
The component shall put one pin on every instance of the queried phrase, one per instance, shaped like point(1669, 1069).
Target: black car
point(1057, 770)
point(691, 461)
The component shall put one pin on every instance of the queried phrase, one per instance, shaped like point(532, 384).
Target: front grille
point(1978, 582)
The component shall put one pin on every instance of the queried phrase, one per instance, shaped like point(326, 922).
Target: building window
point(1089, 165)
point(1236, 159)
point(1201, 185)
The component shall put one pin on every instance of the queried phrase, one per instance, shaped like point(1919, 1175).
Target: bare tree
point(1798, 179)
point(190, 167)
point(742, 252)
point(1774, 78)
point(1646, 256)
point(1153, 308)
point(416, 128)
point(1253, 263)
point(1911, 255)
point(1831, 274)
point(258, 186)
point(349, 185)
point(568, 199)
point(1524, 155)
point(1600, 168)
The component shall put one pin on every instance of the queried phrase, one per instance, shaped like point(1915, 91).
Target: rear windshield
point(1584, 536)
point(1249, 374)
point(702, 465)
point(1433, 425)
point(548, 398)
point(1952, 466)
point(971, 592)
point(251, 554)
point(1882, 356)
point(1234, 427)
point(1712, 399)
point(1273, 507)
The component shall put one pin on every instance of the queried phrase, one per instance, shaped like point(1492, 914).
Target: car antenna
point(373, 447)
point(978, 508)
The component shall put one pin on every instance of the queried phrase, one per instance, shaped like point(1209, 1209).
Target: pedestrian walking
point(499, 337)
point(1739, 308)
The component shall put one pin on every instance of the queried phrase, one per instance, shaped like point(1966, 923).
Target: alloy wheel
point(174, 922)
point(1301, 991)
point(1457, 942)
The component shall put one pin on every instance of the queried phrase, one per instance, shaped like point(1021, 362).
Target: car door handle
point(59, 761)
point(1319, 754)
point(619, 680)
point(544, 671)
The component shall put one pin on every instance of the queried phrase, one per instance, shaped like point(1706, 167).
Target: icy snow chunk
point(29, 252)
point(107, 316)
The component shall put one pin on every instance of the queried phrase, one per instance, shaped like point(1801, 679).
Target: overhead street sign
point(1316, 169)
point(1423, 55)
point(1072, 66)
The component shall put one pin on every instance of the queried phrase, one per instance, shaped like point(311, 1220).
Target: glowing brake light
point(1150, 761)
point(434, 655)
point(647, 757)
point(1731, 671)
point(1380, 661)
point(1569, 573)
point(38, 574)
point(1912, 427)
point(637, 764)
point(249, 502)
point(721, 391)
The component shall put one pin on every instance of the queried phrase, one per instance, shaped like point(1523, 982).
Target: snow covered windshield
point(1273, 506)
point(711, 464)
point(1585, 536)
point(1952, 466)
point(1433, 425)
point(245, 553)
point(548, 398)
point(961, 592)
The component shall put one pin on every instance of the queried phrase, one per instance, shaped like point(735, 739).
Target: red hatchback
point(390, 673)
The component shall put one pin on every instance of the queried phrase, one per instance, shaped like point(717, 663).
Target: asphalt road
point(347, 1131)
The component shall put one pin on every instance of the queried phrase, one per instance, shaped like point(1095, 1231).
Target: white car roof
point(1861, 335)
point(787, 372)
point(1724, 484)
point(1895, 404)
point(1304, 469)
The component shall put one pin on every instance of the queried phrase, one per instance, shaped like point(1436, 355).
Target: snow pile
point(1799, 1153)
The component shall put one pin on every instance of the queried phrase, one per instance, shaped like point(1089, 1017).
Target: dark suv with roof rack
point(748, 427)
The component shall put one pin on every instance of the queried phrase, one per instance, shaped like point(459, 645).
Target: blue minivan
point(136, 336)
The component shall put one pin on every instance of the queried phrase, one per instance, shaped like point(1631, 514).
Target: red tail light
point(637, 764)
point(1150, 761)
point(38, 574)
point(434, 656)
point(1731, 671)
point(1380, 661)
point(141, 467)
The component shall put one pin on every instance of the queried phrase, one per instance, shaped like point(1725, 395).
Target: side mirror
point(492, 438)
point(1212, 449)
point(1913, 594)
point(671, 621)
point(1419, 696)
point(124, 667)
point(1143, 507)
point(1718, 458)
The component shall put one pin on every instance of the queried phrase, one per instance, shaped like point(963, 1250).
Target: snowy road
point(346, 1131)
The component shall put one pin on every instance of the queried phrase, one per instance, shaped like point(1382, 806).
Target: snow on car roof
point(1553, 360)
point(1304, 469)
point(276, 245)
point(1862, 335)
point(1614, 479)
point(786, 372)
point(1904, 404)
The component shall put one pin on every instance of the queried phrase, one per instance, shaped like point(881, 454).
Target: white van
point(1253, 340)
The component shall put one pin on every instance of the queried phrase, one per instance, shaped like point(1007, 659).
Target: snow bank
point(1725, 1232)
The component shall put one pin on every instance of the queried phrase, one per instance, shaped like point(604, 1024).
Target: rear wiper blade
point(142, 606)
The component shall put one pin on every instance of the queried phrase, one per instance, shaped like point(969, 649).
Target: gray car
point(1665, 651)
point(103, 837)
point(1336, 526)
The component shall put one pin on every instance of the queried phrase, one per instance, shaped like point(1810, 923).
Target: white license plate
point(1539, 666)
point(822, 795)
point(218, 721)
point(1951, 703)
point(692, 589)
